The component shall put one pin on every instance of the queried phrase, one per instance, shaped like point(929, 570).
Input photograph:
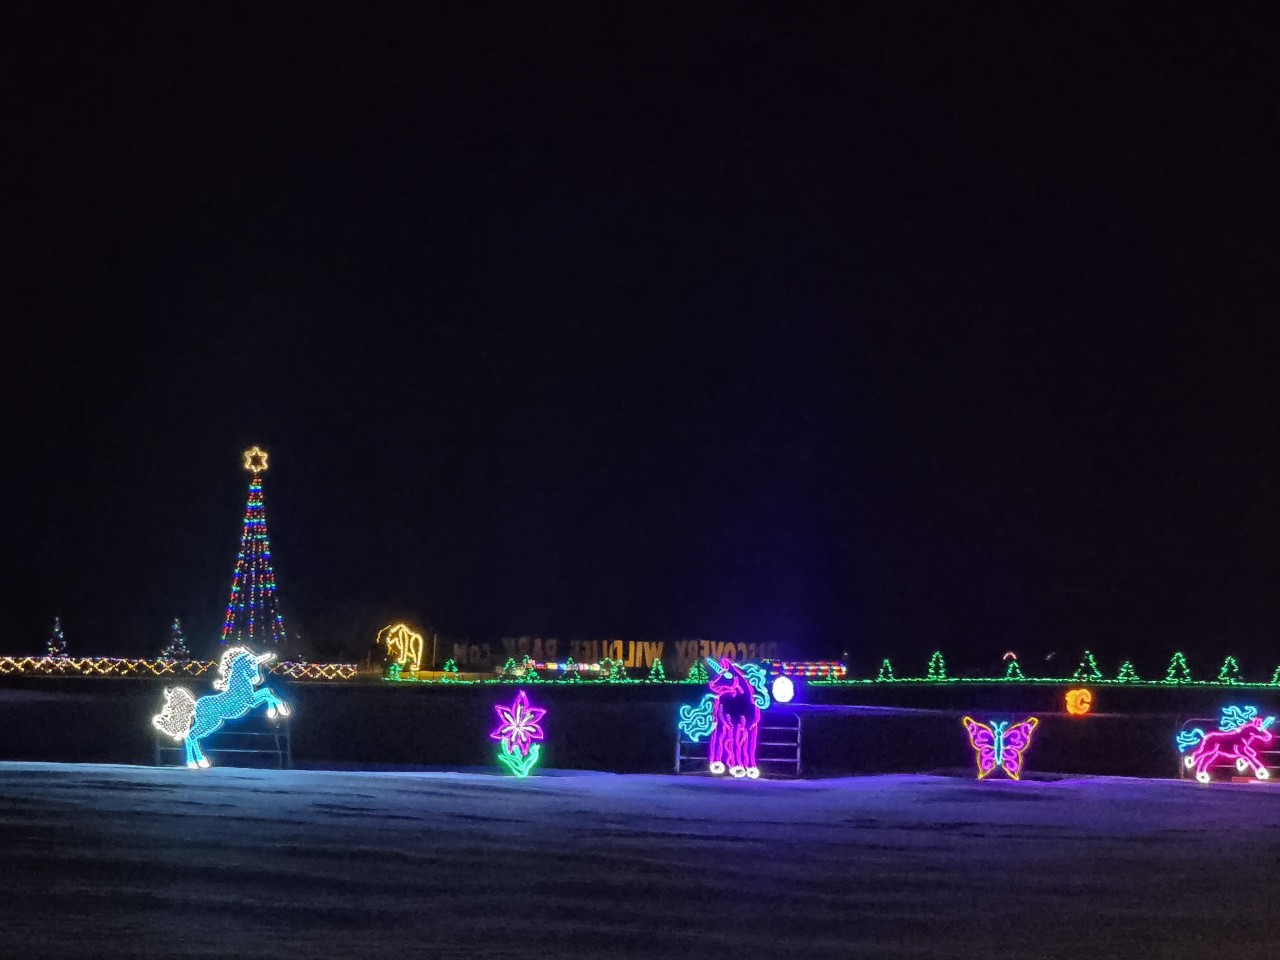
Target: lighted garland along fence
point(122, 667)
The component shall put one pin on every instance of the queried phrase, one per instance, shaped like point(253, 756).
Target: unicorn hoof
point(717, 767)
point(753, 773)
point(284, 711)
point(1264, 774)
point(1241, 766)
point(1188, 762)
point(271, 711)
point(738, 772)
point(204, 763)
point(1202, 777)
point(192, 765)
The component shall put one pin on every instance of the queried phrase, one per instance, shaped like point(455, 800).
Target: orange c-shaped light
point(1079, 702)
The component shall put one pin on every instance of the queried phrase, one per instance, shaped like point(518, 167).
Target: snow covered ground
point(113, 861)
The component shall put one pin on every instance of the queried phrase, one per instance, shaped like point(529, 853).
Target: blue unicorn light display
point(186, 719)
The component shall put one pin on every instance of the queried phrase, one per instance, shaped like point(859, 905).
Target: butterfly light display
point(1000, 745)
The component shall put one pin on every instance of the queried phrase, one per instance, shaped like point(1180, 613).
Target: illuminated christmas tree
point(659, 675)
point(1230, 672)
point(618, 672)
point(1088, 669)
point(1014, 671)
point(177, 647)
point(57, 643)
point(571, 673)
point(253, 611)
point(1275, 678)
point(450, 671)
point(937, 667)
point(530, 671)
point(698, 673)
point(886, 671)
point(509, 669)
point(1127, 674)
point(1178, 671)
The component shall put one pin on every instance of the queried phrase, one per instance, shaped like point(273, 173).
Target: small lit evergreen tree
point(1230, 672)
point(886, 671)
point(57, 645)
point(698, 672)
point(1014, 671)
point(659, 675)
point(530, 671)
point(1179, 671)
point(509, 669)
point(449, 671)
point(618, 672)
point(1088, 670)
point(1127, 674)
point(571, 671)
point(177, 646)
point(937, 667)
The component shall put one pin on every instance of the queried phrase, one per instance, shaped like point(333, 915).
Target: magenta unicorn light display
point(739, 698)
point(1242, 731)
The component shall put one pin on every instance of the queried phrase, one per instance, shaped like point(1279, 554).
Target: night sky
point(856, 335)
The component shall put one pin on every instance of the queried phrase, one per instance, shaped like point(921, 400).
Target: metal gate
point(777, 747)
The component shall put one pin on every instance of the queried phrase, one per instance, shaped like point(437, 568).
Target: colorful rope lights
point(123, 667)
point(1000, 745)
point(518, 732)
point(253, 610)
point(188, 720)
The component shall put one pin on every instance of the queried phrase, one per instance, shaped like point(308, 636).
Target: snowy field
point(113, 861)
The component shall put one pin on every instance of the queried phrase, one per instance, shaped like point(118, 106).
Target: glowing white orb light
point(783, 689)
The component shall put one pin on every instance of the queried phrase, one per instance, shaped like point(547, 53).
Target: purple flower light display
point(517, 731)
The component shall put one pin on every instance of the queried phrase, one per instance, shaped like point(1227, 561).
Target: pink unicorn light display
point(1238, 741)
point(737, 722)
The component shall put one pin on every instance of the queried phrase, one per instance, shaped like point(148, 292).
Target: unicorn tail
point(1189, 739)
point(178, 715)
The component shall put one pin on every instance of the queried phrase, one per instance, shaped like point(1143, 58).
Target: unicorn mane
point(224, 665)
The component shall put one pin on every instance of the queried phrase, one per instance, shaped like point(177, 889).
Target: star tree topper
point(255, 460)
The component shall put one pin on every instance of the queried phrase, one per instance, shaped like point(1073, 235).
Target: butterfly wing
point(1016, 740)
point(983, 740)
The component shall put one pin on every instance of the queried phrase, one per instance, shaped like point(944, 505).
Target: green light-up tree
point(656, 671)
point(57, 643)
point(698, 672)
point(571, 674)
point(886, 671)
point(449, 671)
point(618, 672)
point(1127, 674)
point(530, 674)
point(1179, 671)
point(1230, 671)
point(1275, 678)
point(1014, 671)
point(1088, 671)
point(937, 667)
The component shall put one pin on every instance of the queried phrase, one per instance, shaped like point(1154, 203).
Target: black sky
point(858, 335)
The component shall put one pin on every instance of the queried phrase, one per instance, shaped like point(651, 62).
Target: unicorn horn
point(263, 657)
